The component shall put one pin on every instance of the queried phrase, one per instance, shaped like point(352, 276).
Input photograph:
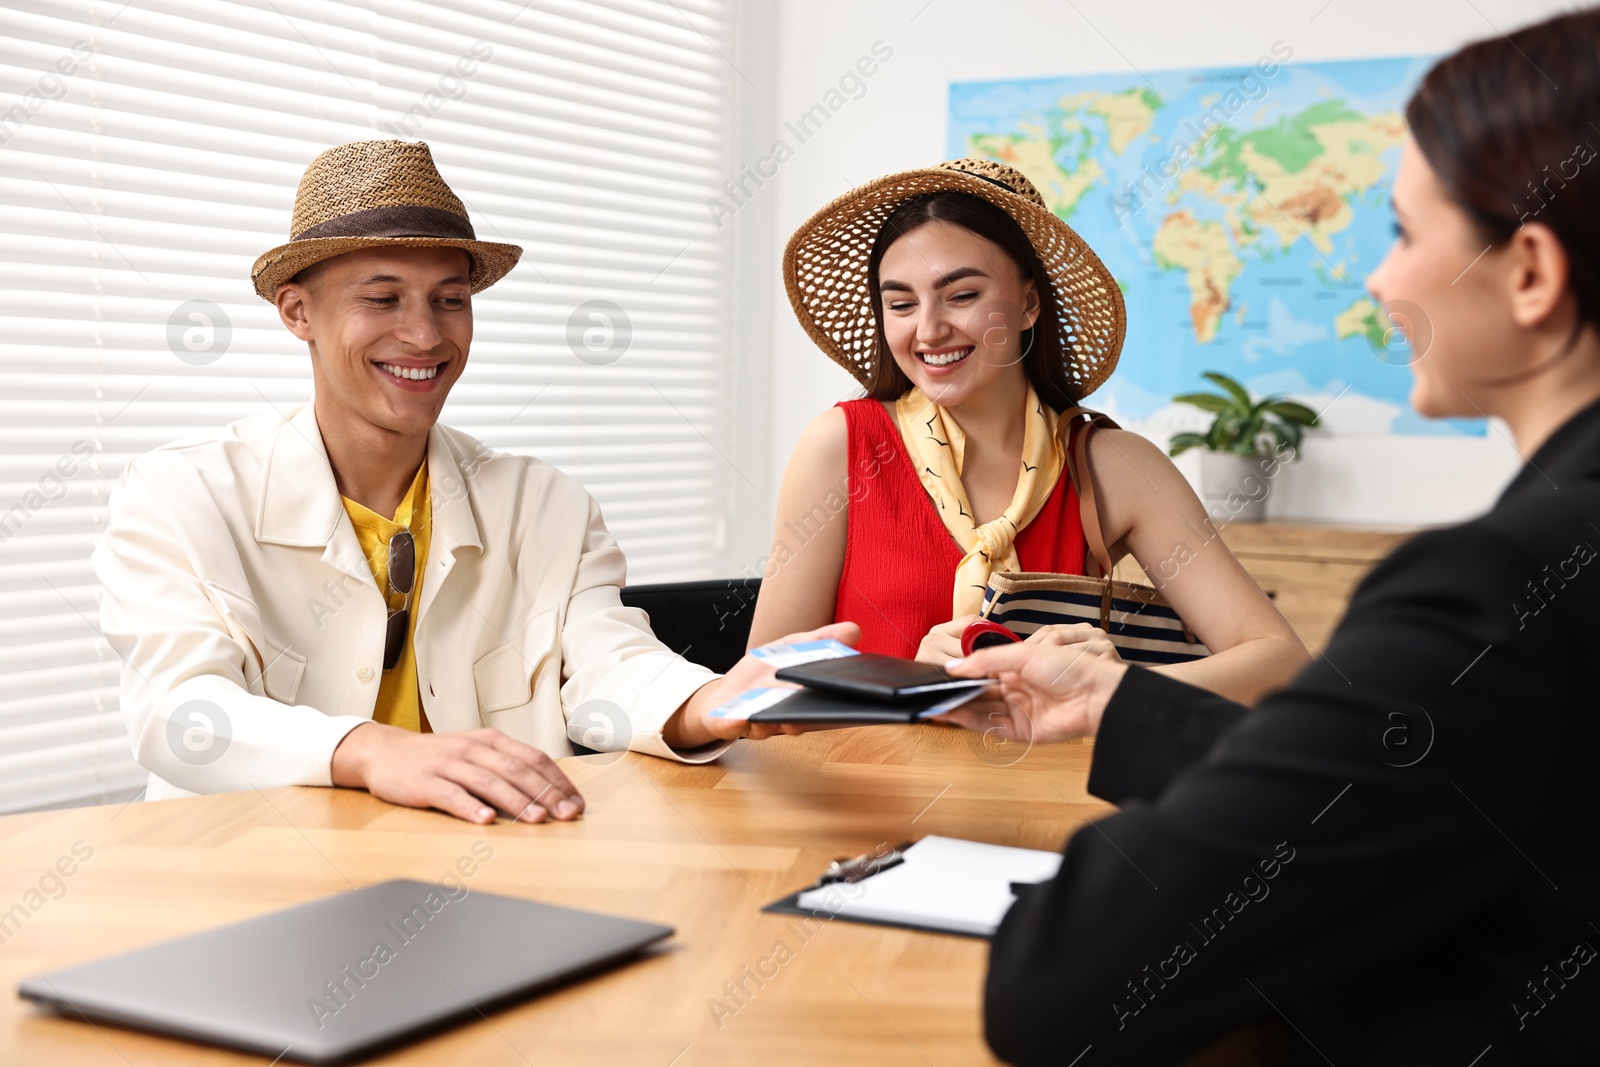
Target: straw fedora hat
point(377, 193)
point(825, 268)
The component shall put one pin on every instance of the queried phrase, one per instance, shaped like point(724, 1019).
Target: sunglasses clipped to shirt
point(402, 576)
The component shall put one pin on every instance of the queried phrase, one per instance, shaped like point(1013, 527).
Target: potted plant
point(1246, 442)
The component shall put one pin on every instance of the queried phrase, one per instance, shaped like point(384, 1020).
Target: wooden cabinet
point(1309, 571)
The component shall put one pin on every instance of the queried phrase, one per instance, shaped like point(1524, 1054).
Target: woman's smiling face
point(953, 307)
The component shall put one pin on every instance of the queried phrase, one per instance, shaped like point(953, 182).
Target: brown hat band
point(992, 180)
point(400, 220)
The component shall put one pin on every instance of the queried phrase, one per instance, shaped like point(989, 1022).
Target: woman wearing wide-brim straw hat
point(975, 320)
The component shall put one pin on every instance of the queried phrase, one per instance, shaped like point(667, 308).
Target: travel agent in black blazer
point(1398, 856)
point(1400, 853)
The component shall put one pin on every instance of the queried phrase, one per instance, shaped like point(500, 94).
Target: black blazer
point(1399, 854)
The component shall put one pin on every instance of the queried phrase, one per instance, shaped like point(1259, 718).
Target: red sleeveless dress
point(899, 560)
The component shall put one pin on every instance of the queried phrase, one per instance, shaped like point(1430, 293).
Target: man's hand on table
point(692, 725)
point(1050, 692)
point(473, 773)
point(467, 774)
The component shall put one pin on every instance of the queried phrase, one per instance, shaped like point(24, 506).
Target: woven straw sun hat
point(825, 268)
point(377, 193)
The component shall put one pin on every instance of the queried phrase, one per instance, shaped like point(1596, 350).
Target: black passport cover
point(870, 676)
point(808, 705)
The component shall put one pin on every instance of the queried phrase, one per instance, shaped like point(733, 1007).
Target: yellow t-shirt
point(399, 696)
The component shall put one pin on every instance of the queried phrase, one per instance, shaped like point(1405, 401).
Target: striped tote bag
point(1141, 624)
point(1135, 617)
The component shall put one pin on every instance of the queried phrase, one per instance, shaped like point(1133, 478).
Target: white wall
point(900, 123)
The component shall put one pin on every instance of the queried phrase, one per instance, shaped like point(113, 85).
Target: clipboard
point(978, 894)
point(790, 905)
point(851, 870)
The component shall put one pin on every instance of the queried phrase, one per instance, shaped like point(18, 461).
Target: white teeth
point(945, 358)
point(416, 374)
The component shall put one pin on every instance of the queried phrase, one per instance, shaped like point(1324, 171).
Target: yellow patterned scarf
point(937, 447)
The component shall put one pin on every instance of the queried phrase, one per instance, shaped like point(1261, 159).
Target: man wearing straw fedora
point(356, 595)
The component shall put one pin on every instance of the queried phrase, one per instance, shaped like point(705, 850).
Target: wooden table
point(698, 848)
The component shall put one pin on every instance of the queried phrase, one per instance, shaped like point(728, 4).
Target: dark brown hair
point(1047, 351)
point(1505, 123)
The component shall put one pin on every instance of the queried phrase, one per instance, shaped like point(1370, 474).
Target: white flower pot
point(1235, 488)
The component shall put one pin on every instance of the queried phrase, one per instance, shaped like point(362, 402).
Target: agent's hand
point(1051, 693)
point(943, 643)
point(1085, 636)
point(692, 725)
point(467, 774)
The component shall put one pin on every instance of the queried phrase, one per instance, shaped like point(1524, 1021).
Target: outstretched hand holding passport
point(843, 687)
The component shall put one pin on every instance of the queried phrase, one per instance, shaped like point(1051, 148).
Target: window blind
point(150, 151)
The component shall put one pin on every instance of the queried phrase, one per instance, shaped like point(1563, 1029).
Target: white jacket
point(251, 629)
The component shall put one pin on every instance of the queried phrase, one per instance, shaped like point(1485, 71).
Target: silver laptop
point(343, 977)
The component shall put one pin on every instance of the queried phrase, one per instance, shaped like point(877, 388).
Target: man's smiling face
point(389, 330)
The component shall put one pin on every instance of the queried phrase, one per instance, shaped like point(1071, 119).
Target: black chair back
point(705, 622)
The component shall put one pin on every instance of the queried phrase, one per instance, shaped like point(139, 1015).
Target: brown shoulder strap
point(1082, 424)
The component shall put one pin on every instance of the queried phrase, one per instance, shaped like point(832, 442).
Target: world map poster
point(1240, 210)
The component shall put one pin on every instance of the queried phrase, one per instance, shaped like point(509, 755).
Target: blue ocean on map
point(1240, 210)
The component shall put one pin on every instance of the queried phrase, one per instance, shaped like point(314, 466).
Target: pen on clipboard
point(863, 867)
